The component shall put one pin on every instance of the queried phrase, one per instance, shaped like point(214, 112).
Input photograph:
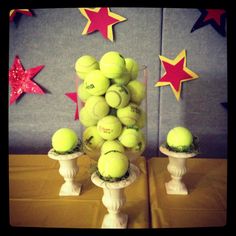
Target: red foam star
point(214, 14)
point(176, 73)
point(13, 12)
point(74, 98)
point(20, 80)
point(101, 19)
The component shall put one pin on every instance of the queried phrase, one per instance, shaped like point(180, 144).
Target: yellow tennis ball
point(129, 115)
point(112, 146)
point(117, 96)
point(112, 64)
point(64, 140)
point(137, 91)
point(109, 127)
point(84, 65)
point(179, 138)
point(132, 67)
point(140, 147)
point(82, 93)
point(91, 139)
point(124, 79)
point(86, 118)
point(130, 136)
point(97, 107)
point(142, 119)
point(113, 165)
point(96, 83)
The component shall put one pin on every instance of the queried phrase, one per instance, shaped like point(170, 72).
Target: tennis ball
point(117, 96)
point(112, 146)
point(140, 147)
point(82, 93)
point(124, 79)
point(86, 118)
point(113, 165)
point(97, 107)
point(109, 127)
point(84, 65)
point(112, 64)
point(93, 154)
point(64, 140)
point(142, 119)
point(96, 83)
point(179, 138)
point(91, 139)
point(129, 115)
point(132, 67)
point(130, 136)
point(137, 91)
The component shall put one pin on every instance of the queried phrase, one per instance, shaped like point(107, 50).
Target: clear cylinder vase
point(92, 143)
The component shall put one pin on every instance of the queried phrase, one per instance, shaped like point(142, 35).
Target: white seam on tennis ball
point(120, 99)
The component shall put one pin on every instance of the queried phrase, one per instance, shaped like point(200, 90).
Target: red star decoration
point(74, 98)
point(101, 19)
point(214, 17)
point(20, 80)
point(176, 73)
point(13, 13)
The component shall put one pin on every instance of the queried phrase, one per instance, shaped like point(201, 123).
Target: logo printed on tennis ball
point(97, 106)
point(109, 127)
point(117, 96)
point(137, 91)
point(130, 136)
point(132, 67)
point(179, 138)
point(113, 164)
point(129, 115)
point(91, 139)
point(112, 64)
point(64, 140)
point(96, 83)
point(84, 65)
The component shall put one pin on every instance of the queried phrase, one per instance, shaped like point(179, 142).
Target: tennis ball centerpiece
point(64, 140)
point(179, 139)
point(113, 165)
point(111, 96)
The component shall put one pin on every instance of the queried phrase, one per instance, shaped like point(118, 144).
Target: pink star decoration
point(13, 13)
point(176, 73)
point(74, 98)
point(20, 80)
point(101, 19)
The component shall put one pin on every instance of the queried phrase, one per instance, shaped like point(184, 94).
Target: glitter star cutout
point(13, 13)
point(214, 17)
point(100, 19)
point(20, 80)
point(176, 73)
point(74, 98)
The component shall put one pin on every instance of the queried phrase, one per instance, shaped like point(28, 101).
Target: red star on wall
point(176, 73)
point(101, 19)
point(214, 17)
point(13, 13)
point(20, 80)
point(74, 98)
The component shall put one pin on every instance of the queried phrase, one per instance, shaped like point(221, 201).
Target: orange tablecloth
point(34, 201)
point(204, 206)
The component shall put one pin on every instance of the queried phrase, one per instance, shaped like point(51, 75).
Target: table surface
point(35, 183)
point(34, 201)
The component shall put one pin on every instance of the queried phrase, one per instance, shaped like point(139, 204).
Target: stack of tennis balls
point(111, 112)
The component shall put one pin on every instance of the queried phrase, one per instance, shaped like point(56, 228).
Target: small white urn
point(177, 169)
point(68, 170)
point(114, 198)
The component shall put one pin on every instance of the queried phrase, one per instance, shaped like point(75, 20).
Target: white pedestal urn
point(114, 198)
point(68, 170)
point(177, 169)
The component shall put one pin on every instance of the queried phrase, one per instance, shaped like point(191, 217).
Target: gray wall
point(53, 38)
